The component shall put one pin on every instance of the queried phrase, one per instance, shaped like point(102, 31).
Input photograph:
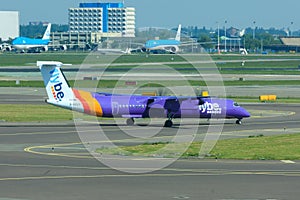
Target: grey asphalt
point(50, 171)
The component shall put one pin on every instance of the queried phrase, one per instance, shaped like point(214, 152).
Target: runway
point(48, 161)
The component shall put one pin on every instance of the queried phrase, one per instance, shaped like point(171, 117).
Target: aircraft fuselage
point(136, 106)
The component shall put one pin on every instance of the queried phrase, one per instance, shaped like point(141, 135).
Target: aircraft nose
point(245, 113)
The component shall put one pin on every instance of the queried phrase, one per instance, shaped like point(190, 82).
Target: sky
point(169, 13)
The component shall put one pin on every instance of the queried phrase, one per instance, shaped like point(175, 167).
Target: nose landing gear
point(239, 121)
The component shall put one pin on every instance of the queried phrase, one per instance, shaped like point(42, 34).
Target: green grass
point(33, 113)
point(12, 59)
point(22, 84)
point(256, 99)
point(254, 56)
point(140, 58)
point(87, 83)
point(226, 67)
point(279, 147)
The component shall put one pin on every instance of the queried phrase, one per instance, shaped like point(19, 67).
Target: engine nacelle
point(45, 48)
point(174, 49)
point(143, 49)
point(63, 48)
point(8, 48)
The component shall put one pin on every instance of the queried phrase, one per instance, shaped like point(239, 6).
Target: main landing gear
point(130, 121)
point(168, 123)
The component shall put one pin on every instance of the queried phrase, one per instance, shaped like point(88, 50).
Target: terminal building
point(103, 18)
point(92, 23)
point(288, 45)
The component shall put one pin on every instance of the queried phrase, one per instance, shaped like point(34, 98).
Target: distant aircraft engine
point(45, 48)
point(144, 49)
point(174, 49)
point(63, 48)
point(8, 48)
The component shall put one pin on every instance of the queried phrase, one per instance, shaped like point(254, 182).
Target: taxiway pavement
point(47, 161)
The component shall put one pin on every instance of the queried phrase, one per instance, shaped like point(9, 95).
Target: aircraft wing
point(174, 104)
point(195, 43)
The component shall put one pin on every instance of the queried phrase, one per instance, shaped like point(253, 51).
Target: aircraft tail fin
point(47, 32)
point(178, 35)
point(58, 90)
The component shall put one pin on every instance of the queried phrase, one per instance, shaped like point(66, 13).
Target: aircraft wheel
point(239, 122)
point(168, 123)
point(130, 121)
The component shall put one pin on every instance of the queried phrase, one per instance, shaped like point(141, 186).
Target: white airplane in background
point(168, 45)
point(25, 44)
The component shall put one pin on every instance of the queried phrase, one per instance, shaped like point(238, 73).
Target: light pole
point(291, 28)
point(225, 36)
point(218, 38)
point(254, 22)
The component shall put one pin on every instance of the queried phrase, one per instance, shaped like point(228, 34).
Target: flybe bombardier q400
point(133, 106)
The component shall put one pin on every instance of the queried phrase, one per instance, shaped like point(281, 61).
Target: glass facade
point(103, 17)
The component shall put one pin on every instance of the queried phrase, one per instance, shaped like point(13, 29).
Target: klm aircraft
point(24, 44)
point(171, 46)
point(132, 107)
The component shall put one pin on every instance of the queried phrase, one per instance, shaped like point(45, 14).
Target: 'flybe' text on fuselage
point(210, 108)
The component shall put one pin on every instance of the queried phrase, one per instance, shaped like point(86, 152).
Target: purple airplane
point(133, 106)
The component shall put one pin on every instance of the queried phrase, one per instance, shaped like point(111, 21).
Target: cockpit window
point(236, 104)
